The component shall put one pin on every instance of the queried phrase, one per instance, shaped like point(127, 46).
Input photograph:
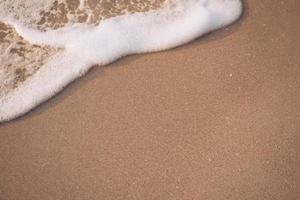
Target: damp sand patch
point(40, 54)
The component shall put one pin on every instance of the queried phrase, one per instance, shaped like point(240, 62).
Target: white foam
point(81, 4)
point(86, 45)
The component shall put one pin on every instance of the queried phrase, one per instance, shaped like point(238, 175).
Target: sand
point(215, 119)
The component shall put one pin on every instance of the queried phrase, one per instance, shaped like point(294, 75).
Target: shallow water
point(40, 53)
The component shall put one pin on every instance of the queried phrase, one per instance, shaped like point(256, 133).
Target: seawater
point(44, 45)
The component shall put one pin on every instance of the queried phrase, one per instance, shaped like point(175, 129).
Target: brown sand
point(216, 119)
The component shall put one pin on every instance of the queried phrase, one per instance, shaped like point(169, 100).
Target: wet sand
point(215, 119)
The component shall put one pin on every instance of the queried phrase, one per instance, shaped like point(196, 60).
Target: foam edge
point(52, 77)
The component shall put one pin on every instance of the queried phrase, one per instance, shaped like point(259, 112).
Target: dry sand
point(216, 119)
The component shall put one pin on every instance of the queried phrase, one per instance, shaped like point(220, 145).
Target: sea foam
point(84, 45)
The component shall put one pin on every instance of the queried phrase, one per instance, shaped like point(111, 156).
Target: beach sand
point(215, 119)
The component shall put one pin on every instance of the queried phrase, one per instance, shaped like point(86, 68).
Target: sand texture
point(215, 119)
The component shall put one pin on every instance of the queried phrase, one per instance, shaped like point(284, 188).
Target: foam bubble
point(86, 45)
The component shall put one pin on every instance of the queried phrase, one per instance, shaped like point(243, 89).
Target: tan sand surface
point(216, 119)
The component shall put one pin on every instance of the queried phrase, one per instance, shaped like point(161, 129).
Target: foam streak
point(86, 45)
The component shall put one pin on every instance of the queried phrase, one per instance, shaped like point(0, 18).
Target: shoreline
point(216, 118)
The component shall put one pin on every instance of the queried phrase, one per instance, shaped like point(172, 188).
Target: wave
point(73, 47)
